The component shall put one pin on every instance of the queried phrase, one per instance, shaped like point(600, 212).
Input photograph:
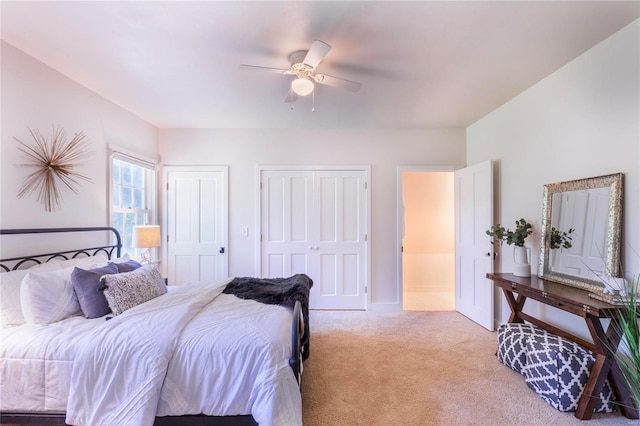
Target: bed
point(213, 352)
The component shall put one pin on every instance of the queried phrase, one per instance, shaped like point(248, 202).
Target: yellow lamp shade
point(146, 236)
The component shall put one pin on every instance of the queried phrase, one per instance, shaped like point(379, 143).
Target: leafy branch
point(517, 237)
point(559, 239)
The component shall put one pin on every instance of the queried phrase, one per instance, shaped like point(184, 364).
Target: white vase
point(521, 261)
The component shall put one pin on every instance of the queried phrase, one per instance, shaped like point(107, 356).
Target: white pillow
point(10, 282)
point(122, 259)
point(48, 297)
point(91, 262)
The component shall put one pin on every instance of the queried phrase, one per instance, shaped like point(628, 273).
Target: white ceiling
point(421, 64)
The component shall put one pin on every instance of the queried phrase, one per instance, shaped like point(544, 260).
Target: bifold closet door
point(286, 208)
point(314, 222)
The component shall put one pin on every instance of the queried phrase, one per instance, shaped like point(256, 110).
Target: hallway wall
point(428, 258)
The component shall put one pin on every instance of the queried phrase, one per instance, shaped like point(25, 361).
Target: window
point(133, 188)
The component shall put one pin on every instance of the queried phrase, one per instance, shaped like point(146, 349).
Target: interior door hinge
point(365, 237)
point(167, 238)
point(366, 185)
point(365, 289)
point(167, 186)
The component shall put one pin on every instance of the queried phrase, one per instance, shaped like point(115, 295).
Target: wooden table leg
point(516, 305)
point(622, 392)
point(616, 378)
point(606, 345)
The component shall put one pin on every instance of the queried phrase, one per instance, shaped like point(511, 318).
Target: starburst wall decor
point(54, 159)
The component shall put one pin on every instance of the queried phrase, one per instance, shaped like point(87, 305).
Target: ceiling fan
point(303, 66)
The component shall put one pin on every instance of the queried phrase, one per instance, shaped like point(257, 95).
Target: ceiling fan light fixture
point(302, 86)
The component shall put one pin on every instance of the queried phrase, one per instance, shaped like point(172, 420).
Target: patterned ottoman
point(558, 369)
point(512, 344)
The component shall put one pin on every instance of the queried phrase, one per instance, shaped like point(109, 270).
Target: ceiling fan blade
point(318, 51)
point(268, 69)
point(340, 83)
point(291, 96)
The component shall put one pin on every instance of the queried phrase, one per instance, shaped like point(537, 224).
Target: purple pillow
point(128, 266)
point(85, 284)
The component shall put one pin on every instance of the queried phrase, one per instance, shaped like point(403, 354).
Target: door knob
point(221, 250)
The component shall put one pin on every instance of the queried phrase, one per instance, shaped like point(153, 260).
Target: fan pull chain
point(313, 101)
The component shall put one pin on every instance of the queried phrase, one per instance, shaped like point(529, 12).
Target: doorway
point(428, 240)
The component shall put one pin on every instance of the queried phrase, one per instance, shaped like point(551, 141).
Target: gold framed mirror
point(592, 208)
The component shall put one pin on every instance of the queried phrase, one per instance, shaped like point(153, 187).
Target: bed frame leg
point(296, 342)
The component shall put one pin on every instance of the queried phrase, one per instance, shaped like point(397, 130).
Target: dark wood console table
point(578, 302)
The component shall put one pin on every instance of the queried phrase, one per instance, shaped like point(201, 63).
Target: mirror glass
point(592, 209)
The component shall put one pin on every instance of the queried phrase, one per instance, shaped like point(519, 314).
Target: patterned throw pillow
point(512, 344)
point(129, 289)
point(557, 369)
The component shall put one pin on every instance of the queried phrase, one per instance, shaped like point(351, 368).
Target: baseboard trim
point(386, 307)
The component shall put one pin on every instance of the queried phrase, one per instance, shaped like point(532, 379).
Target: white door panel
point(474, 215)
point(285, 223)
point(314, 222)
point(340, 199)
point(196, 223)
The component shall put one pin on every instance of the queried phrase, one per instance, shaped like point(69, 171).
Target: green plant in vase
point(521, 254)
point(559, 239)
point(516, 238)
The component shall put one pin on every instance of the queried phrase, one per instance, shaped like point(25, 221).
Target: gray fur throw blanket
point(277, 291)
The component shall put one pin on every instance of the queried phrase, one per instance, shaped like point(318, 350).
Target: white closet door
point(315, 222)
point(285, 223)
point(196, 223)
point(340, 233)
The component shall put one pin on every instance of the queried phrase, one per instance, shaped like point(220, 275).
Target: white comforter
point(183, 353)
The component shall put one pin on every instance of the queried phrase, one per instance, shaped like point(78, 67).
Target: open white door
point(474, 252)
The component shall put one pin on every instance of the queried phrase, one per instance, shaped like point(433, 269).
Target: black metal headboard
point(16, 262)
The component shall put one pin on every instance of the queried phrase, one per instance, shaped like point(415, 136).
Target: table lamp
point(146, 237)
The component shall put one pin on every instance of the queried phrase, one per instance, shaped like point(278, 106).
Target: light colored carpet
point(417, 368)
point(429, 301)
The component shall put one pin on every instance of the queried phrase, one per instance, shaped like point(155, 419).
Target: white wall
point(384, 149)
point(36, 96)
point(581, 121)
